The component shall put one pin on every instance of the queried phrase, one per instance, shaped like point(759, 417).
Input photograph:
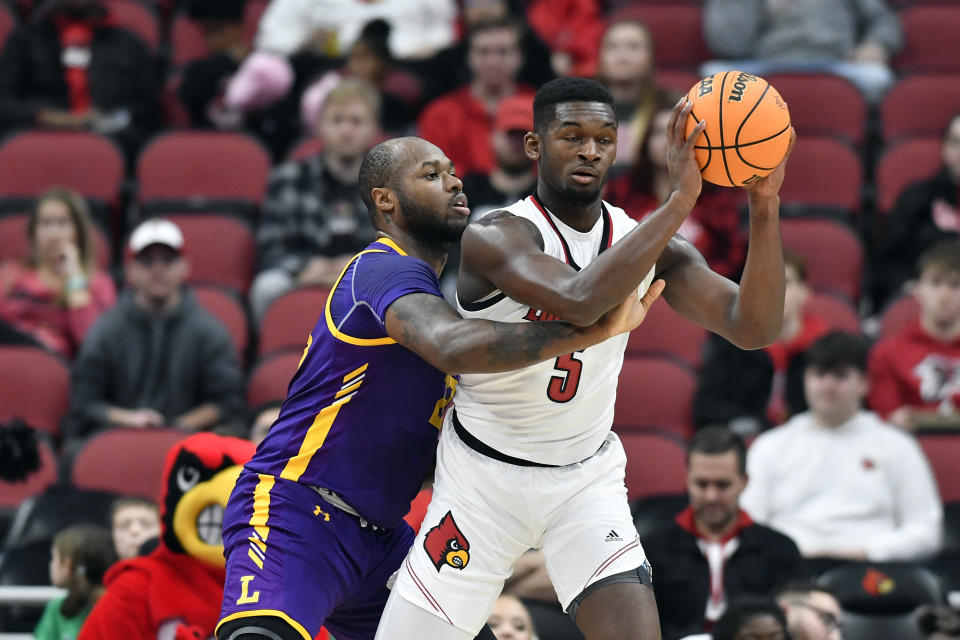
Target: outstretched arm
point(505, 252)
point(749, 315)
point(429, 327)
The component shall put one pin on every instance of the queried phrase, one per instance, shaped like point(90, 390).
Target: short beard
point(431, 233)
point(581, 197)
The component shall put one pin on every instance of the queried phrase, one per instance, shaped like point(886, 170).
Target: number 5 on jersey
point(563, 388)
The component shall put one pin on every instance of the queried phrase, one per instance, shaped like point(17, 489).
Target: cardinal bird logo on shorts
point(446, 545)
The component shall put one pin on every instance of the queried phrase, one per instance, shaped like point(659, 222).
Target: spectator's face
point(133, 525)
point(626, 54)
point(262, 423)
point(510, 620)
point(657, 145)
point(158, 272)
point(795, 295)
point(834, 396)
point(508, 147)
point(54, 229)
point(763, 627)
point(494, 58)
point(59, 568)
point(714, 484)
point(348, 128)
point(364, 63)
point(815, 616)
point(951, 149)
point(938, 293)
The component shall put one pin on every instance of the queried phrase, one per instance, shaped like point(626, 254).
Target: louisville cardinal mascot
point(174, 593)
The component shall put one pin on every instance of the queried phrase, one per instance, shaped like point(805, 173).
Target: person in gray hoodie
point(157, 359)
point(853, 38)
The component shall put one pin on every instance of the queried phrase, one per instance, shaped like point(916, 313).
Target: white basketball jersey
point(559, 411)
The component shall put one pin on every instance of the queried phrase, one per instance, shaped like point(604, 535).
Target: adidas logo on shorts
point(613, 537)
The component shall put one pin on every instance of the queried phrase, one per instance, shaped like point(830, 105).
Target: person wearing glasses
point(813, 613)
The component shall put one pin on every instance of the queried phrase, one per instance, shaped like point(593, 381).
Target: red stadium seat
point(127, 461)
point(931, 43)
point(805, 94)
point(227, 310)
point(943, 451)
point(823, 172)
point(271, 376)
point(7, 23)
point(836, 312)
point(903, 164)
point(304, 149)
point(200, 169)
point(898, 315)
point(34, 385)
point(677, 80)
point(13, 493)
point(833, 254)
point(138, 20)
point(291, 318)
point(656, 464)
point(920, 106)
point(221, 249)
point(655, 393)
point(14, 244)
point(677, 31)
point(186, 37)
point(665, 333)
point(32, 162)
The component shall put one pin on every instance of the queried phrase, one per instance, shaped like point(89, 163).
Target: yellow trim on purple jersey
point(266, 612)
point(332, 328)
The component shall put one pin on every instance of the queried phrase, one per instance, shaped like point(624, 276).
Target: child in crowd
point(133, 521)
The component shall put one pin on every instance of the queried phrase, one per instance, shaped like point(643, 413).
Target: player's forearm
point(758, 312)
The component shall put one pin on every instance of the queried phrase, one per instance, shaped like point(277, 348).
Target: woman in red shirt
point(58, 293)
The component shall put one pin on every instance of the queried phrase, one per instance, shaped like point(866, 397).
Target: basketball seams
point(723, 144)
point(754, 166)
point(709, 147)
point(747, 144)
point(736, 139)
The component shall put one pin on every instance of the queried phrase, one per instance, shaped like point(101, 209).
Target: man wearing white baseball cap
point(157, 358)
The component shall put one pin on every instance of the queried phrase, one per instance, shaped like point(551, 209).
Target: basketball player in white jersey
point(527, 458)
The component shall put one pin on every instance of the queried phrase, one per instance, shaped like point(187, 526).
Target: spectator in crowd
point(626, 68)
point(838, 480)
point(263, 418)
point(72, 68)
point(312, 219)
point(713, 553)
point(572, 29)
point(749, 391)
point(714, 224)
point(80, 555)
point(852, 39)
point(58, 294)
point(514, 177)
point(133, 521)
point(750, 619)
point(924, 214)
point(157, 358)
point(460, 122)
point(915, 375)
point(813, 613)
point(510, 620)
point(370, 61)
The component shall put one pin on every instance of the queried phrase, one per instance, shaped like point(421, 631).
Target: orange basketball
point(748, 127)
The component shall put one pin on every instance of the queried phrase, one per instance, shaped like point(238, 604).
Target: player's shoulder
point(501, 226)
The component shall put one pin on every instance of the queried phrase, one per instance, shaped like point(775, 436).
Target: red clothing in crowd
point(459, 124)
point(573, 27)
point(713, 226)
point(782, 353)
point(30, 306)
point(914, 369)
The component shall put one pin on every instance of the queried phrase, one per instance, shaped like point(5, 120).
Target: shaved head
point(378, 169)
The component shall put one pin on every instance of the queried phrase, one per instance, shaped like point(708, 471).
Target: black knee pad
point(257, 628)
point(642, 574)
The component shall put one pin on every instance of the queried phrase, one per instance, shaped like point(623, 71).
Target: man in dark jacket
point(73, 68)
point(713, 552)
point(158, 358)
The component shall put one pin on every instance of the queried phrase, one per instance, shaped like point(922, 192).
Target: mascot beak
point(198, 519)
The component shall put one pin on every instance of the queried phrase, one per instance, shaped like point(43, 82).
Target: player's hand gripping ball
point(748, 127)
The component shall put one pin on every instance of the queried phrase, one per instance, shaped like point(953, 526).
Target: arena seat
point(14, 244)
point(8, 22)
point(825, 174)
point(943, 451)
point(677, 31)
point(898, 315)
point(221, 249)
point(806, 93)
point(138, 20)
point(930, 39)
point(655, 393)
point(665, 333)
point(291, 318)
point(42, 516)
point(34, 385)
point(656, 464)
point(186, 37)
point(305, 148)
point(832, 251)
point(229, 311)
point(837, 312)
point(904, 163)
point(921, 105)
point(271, 376)
point(653, 512)
point(126, 461)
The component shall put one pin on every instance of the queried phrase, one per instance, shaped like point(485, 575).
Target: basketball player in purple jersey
point(564, 253)
point(314, 528)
